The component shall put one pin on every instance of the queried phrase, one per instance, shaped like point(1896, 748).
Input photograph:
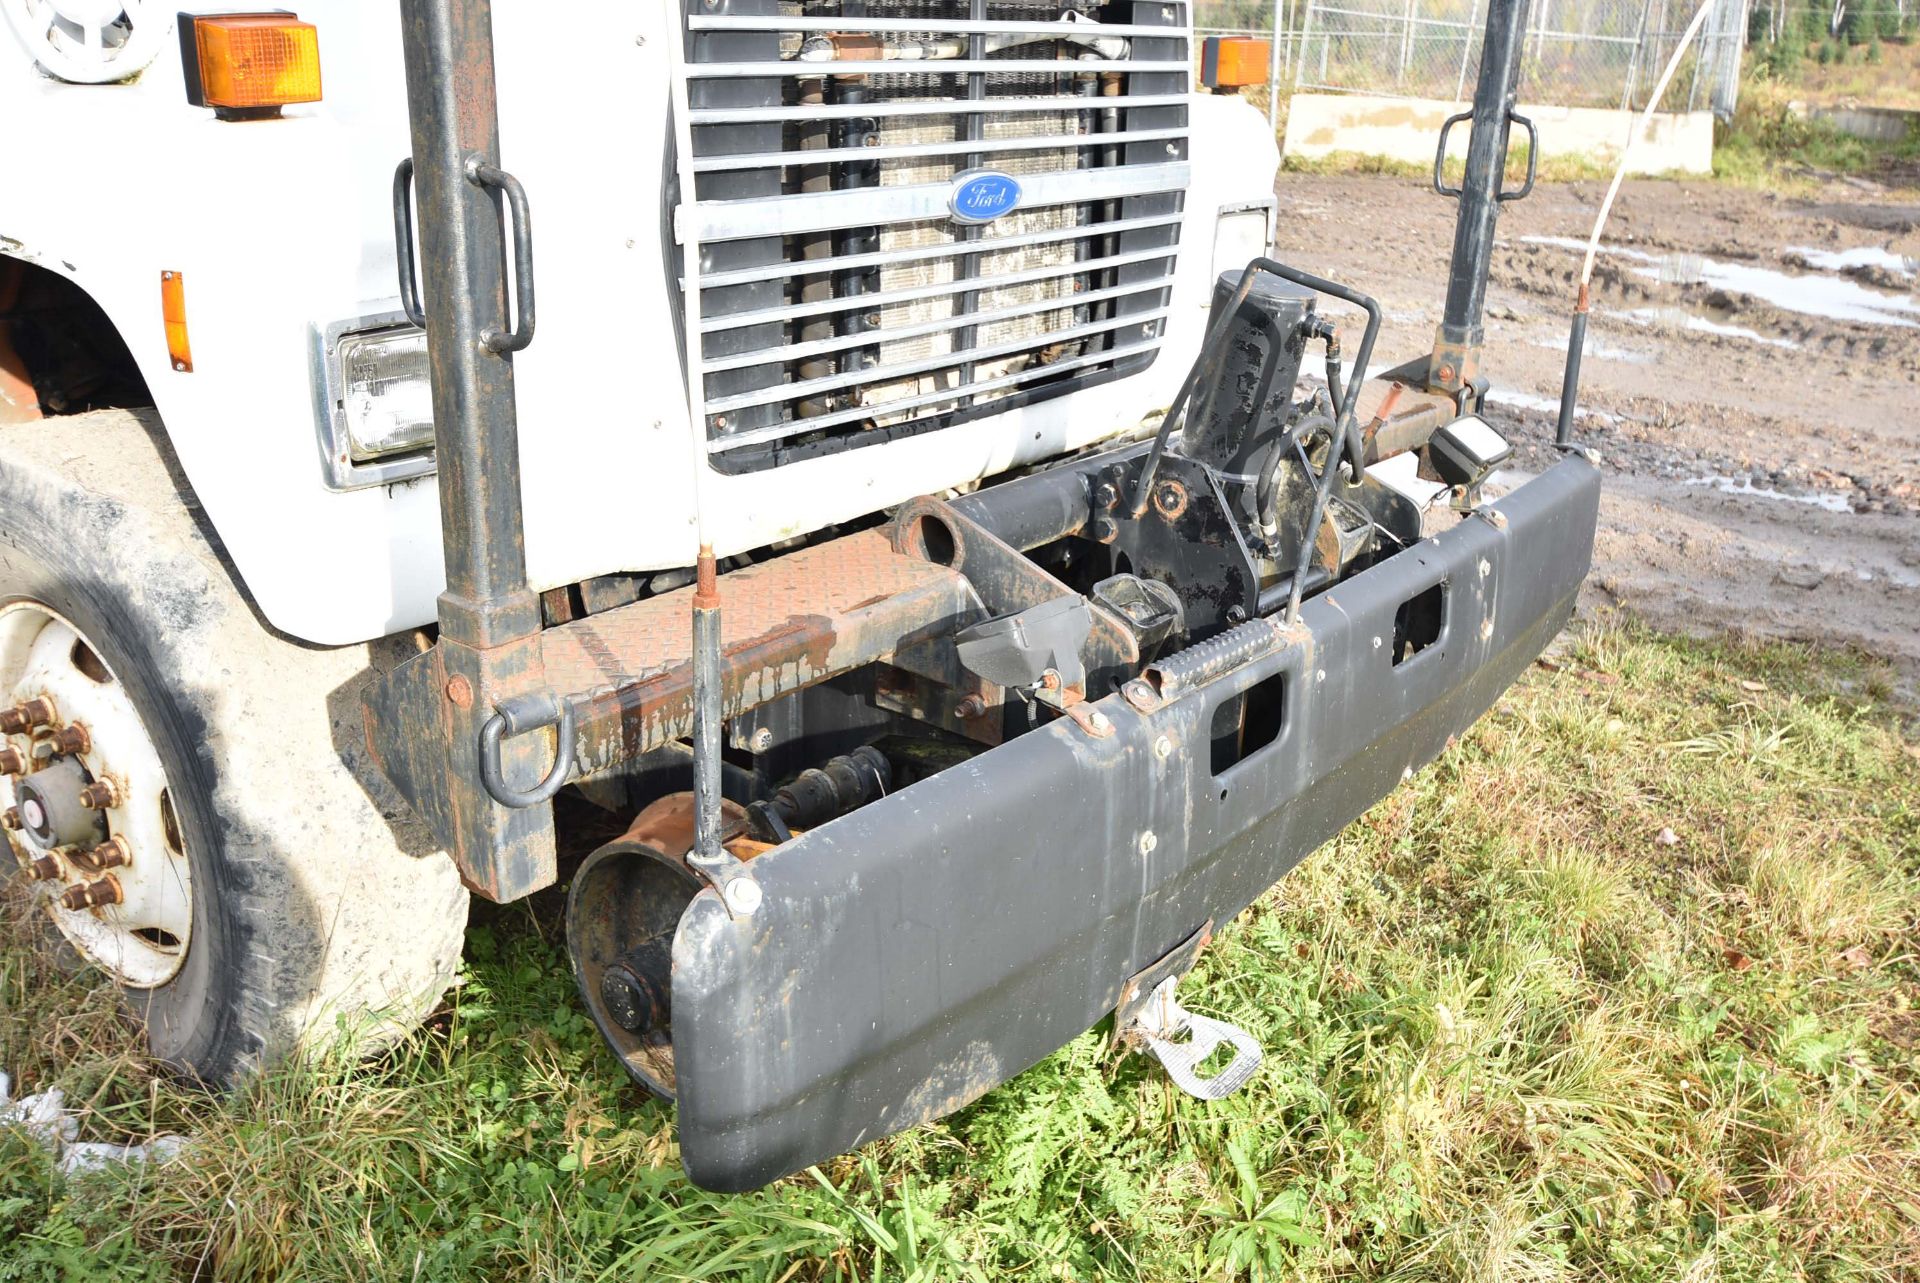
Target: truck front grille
point(840, 301)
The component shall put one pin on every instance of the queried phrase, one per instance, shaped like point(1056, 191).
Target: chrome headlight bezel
point(339, 468)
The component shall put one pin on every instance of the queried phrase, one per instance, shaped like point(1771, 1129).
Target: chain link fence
point(1578, 53)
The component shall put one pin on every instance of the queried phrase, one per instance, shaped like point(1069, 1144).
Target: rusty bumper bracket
point(909, 956)
point(623, 686)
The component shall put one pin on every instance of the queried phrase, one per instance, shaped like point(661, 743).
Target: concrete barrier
point(1875, 124)
point(1408, 128)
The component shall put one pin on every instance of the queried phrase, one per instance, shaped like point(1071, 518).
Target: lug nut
point(45, 868)
point(24, 717)
point(11, 761)
point(113, 853)
point(99, 795)
point(92, 895)
point(73, 739)
point(10, 818)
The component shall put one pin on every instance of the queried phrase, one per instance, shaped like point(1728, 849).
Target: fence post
point(1273, 68)
point(1466, 49)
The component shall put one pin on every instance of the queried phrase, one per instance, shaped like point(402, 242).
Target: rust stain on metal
point(787, 624)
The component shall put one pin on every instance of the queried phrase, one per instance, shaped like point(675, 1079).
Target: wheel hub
point(89, 813)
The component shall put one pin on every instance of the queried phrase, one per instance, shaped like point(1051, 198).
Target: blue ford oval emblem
point(982, 195)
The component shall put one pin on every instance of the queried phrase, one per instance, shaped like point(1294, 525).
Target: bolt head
point(10, 818)
point(1140, 694)
point(1148, 842)
point(73, 739)
point(1163, 748)
point(460, 690)
point(12, 761)
point(1486, 628)
point(742, 895)
point(762, 740)
point(971, 707)
point(45, 868)
point(1098, 720)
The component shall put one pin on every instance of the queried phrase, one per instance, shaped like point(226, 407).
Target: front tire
point(312, 899)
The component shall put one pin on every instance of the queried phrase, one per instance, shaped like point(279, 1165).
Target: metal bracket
point(1149, 1020)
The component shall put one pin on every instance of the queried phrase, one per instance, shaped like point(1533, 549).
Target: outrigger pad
point(915, 953)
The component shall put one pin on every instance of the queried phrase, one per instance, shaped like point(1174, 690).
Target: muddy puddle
point(1824, 292)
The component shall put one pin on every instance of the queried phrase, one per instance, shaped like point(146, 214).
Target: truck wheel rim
point(142, 940)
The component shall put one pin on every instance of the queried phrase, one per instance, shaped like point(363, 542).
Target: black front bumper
point(910, 956)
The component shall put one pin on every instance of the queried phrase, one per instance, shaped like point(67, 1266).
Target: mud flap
point(910, 956)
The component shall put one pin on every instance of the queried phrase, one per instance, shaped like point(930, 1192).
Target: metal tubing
point(1570, 380)
point(1457, 345)
point(1036, 509)
point(706, 712)
point(450, 100)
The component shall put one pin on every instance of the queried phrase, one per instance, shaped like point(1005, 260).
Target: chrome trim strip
point(977, 146)
point(874, 338)
point(985, 245)
point(952, 26)
point(778, 432)
point(941, 67)
point(921, 107)
point(765, 315)
point(711, 220)
point(927, 365)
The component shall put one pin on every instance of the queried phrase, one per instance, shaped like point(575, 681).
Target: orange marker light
point(254, 61)
point(1231, 62)
point(173, 310)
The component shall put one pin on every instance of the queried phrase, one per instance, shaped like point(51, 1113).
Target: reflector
point(173, 311)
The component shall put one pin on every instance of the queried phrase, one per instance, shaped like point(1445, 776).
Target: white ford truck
point(855, 443)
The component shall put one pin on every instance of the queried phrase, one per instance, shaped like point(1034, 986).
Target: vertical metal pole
point(1273, 67)
point(450, 99)
point(1456, 346)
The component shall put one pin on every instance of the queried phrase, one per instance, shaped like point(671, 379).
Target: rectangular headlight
point(1241, 234)
point(386, 394)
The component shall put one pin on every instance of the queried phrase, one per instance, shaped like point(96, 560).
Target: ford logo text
point(982, 195)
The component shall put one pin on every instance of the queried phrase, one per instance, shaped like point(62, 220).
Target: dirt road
point(1752, 383)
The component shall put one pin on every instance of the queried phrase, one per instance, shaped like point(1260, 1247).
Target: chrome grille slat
point(834, 296)
point(799, 426)
point(823, 211)
point(903, 370)
point(795, 351)
point(915, 26)
point(904, 151)
point(990, 243)
point(919, 293)
point(912, 107)
point(939, 67)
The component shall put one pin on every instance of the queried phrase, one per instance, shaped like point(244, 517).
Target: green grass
point(1512, 1034)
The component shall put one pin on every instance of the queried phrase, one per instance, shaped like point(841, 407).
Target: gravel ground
point(1752, 383)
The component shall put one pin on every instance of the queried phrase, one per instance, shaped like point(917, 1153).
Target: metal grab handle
point(403, 242)
point(1440, 154)
point(1533, 155)
point(516, 716)
point(481, 174)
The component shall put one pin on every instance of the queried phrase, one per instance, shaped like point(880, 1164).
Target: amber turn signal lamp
point(1232, 62)
point(173, 310)
point(249, 64)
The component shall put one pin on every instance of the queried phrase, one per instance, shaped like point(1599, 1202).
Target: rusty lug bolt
point(24, 717)
point(12, 762)
point(1141, 695)
point(100, 795)
point(45, 868)
point(10, 818)
point(92, 895)
point(1050, 680)
point(114, 853)
point(970, 707)
point(73, 739)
